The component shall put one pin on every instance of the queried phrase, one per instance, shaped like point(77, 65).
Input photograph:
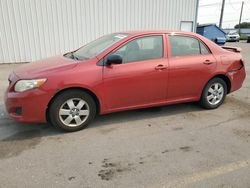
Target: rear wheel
point(72, 110)
point(214, 93)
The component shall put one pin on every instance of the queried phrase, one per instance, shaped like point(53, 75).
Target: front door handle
point(160, 67)
point(207, 62)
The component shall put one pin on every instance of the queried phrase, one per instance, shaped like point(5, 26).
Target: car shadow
point(146, 113)
point(15, 131)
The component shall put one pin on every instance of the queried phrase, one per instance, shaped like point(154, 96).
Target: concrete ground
point(174, 146)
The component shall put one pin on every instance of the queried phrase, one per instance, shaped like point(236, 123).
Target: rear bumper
point(28, 106)
point(237, 78)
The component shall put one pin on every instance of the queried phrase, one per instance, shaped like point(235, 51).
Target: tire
point(72, 110)
point(211, 97)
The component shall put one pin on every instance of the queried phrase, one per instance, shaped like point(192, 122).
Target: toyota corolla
point(124, 71)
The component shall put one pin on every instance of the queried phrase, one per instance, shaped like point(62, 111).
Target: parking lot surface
point(174, 146)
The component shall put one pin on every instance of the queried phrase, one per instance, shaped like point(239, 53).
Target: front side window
point(140, 49)
point(184, 46)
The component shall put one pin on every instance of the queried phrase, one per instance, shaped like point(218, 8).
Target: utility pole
point(221, 13)
point(242, 5)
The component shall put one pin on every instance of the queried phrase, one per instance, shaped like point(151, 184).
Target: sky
point(209, 12)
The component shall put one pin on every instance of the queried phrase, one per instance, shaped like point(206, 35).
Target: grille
point(18, 111)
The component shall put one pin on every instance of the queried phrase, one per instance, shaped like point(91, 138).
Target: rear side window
point(145, 48)
point(204, 49)
point(183, 46)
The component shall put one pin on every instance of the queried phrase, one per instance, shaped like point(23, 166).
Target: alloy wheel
point(74, 112)
point(215, 93)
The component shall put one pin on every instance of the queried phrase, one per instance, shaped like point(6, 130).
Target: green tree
point(243, 25)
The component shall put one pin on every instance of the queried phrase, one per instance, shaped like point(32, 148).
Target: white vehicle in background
point(233, 36)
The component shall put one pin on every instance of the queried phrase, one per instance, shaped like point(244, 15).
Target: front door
point(141, 79)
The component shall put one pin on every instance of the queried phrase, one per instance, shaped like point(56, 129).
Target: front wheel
point(213, 94)
point(72, 110)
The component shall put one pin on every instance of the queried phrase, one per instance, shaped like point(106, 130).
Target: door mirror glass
point(114, 59)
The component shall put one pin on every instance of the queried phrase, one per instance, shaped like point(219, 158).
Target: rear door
point(191, 64)
point(142, 77)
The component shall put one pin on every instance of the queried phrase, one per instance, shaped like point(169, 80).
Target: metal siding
point(35, 29)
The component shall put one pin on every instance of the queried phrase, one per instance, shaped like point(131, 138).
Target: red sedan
point(123, 71)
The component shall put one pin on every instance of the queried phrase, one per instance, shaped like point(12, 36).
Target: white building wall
point(35, 29)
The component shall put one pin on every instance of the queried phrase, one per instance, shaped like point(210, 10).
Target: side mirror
point(113, 59)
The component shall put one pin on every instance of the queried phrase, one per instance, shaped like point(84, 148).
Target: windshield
point(95, 47)
point(232, 33)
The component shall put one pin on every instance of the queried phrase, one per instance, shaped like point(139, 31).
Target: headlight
point(23, 85)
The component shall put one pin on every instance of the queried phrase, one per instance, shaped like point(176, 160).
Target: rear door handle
point(160, 67)
point(207, 62)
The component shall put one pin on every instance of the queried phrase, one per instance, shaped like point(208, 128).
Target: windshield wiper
point(71, 55)
point(76, 57)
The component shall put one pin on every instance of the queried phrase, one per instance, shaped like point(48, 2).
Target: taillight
point(242, 62)
point(237, 65)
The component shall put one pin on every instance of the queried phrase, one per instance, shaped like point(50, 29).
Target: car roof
point(213, 47)
point(159, 32)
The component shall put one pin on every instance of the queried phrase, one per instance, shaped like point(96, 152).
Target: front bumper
point(233, 39)
point(28, 106)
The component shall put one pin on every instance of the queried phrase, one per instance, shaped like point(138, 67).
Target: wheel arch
point(225, 78)
point(91, 93)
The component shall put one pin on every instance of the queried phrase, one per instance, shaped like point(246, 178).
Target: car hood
point(44, 67)
point(232, 35)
